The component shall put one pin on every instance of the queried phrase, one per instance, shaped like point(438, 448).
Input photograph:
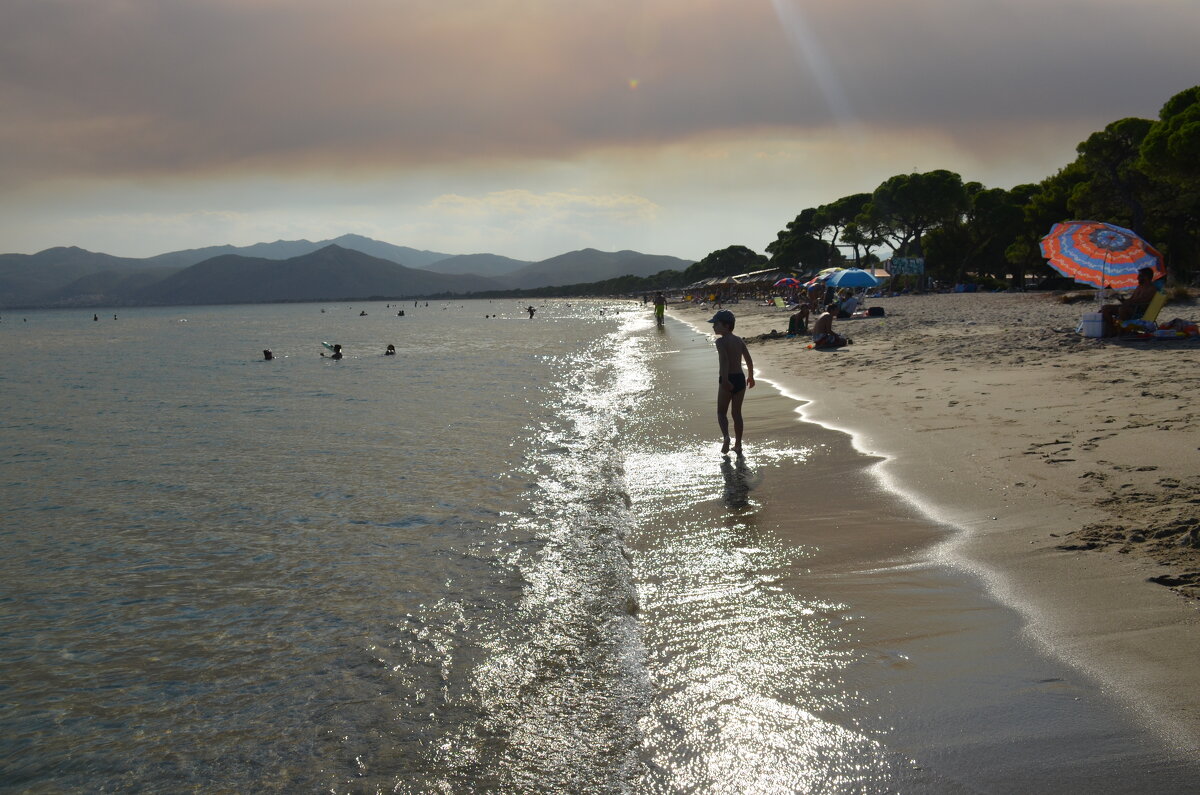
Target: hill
point(287, 249)
point(590, 265)
point(331, 273)
point(478, 264)
point(38, 279)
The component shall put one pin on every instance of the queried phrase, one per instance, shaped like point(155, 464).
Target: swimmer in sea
point(731, 383)
point(391, 350)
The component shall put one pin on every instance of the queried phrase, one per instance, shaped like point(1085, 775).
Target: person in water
point(731, 382)
point(530, 310)
point(267, 355)
point(391, 350)
point(337, 352)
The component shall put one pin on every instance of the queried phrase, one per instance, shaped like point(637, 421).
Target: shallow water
point(507, 559)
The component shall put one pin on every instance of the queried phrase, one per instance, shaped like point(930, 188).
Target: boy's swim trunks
point(737, 379)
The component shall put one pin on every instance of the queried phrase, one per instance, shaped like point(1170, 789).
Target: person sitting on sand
point(798, 323)
point(1133, 305)
point(731, 382)
point(823, 334)
point(848, 305)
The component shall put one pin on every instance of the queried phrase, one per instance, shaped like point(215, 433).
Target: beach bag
point(874, 311)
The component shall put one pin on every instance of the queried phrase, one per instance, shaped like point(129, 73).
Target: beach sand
point(1065, 469)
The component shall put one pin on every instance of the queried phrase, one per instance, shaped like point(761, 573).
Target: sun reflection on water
point(750, 696)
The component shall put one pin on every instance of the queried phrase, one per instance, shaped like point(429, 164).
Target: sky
point(529, 128)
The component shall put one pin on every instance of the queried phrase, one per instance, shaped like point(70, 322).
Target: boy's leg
point(723, 398)
point(737, 420)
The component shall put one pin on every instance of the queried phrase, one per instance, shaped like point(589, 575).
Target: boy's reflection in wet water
point(739, 481)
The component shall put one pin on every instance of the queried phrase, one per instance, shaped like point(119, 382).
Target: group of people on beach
point(839, 305)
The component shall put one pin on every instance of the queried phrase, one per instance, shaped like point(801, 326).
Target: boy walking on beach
point(731, 383)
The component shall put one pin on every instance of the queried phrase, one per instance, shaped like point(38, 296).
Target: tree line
point(1143, 174)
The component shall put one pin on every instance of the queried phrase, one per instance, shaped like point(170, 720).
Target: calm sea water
point(507, 559)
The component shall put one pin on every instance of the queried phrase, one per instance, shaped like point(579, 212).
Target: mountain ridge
point(71, 276)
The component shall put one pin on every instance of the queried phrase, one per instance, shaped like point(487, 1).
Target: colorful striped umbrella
point(787, 281)
point(1099, 254)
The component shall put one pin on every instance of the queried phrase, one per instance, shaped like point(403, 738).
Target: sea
point(510, 558)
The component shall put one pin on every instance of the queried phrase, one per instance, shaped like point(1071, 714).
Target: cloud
point(534, 224)
point(145, 88)
point(523, 205)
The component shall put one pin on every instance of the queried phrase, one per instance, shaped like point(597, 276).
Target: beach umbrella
point(788, 281)
point(851, 277)
point(1100, 254)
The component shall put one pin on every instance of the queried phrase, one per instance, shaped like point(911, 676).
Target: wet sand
point(1061, 471)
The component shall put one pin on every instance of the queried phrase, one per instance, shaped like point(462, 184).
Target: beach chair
point(779, 303)
point(1155, 306)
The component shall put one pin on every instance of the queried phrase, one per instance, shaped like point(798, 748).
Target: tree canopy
point(1143, 174)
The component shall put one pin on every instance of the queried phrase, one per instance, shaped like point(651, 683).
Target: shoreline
point(1062, 468)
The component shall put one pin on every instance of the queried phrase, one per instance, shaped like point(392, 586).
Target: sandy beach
point(1063, 468)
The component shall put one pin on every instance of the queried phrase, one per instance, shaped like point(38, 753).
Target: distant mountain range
point(347, 267)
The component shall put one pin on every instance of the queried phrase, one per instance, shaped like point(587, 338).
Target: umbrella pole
point(1103, 278)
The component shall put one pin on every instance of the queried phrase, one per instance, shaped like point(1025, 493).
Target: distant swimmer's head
point(391, 351)
point(337, 348)
point(724, 317)
point(267, 354)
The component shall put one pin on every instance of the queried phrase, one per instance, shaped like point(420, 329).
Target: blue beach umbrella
point(851, 277)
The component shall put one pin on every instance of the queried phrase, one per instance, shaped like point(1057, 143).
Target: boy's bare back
point(730, 348)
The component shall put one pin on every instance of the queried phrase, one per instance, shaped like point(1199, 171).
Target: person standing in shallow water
point(731, 382)
point(660, 307)
point(531, 310)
